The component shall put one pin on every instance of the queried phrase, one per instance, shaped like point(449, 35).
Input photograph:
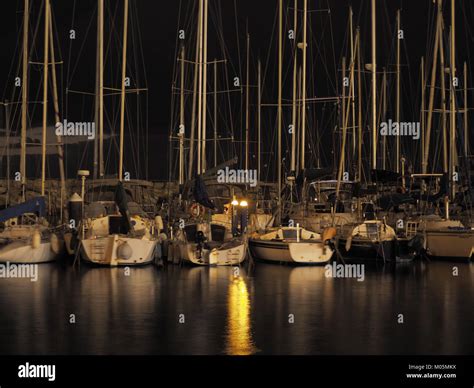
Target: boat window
point(289, 234)
point(372, 230)
point(217, 232)
point(117, 225)
point(190, 231)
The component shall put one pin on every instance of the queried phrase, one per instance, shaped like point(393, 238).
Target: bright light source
point(244, 203)
point(234, 202)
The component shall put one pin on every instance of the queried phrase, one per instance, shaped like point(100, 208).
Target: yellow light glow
point(244, 203)
point(235, 202)
point(239, 333)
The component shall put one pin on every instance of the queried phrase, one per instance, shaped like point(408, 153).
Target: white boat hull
point(450, 244)
point(291, 252)
point(107, 251)
point(189, 252)
point(23, 252)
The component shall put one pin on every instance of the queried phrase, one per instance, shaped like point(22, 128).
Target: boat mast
point(344, 140)
point(303, 94)
point(215, 112)
point(452, 161)
point(443, 98)
point(259, 118)
point(24, 99)
point(122, 95)
point(384, 118)
point(247, 100)
point(197, 64)
point(343, 95)
point(280, 74)
point(359, 108)
point(204, 88)
point(7, 130)
point(181, 122)
point(429, 121)
point(397, 160)
point(45, 95)
point(374, 86)
point(351, 28)
point(423, 103)
point(199, 128)
point(62, 174)
point(295, 74)
point(100, 17)
point(466, 111)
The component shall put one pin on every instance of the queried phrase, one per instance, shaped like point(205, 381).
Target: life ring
point(196, 210)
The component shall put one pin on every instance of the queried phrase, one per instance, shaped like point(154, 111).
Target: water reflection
point(239, 315)
point(239, 331)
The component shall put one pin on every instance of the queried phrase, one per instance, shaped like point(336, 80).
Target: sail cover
point(122, 203)
point(36, 205)
point(201, 195)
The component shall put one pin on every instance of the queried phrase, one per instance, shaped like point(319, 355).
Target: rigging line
point(15, 52)
point(70, 74)
point(332, 43)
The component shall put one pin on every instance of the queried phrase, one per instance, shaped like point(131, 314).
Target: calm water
point(140, 313)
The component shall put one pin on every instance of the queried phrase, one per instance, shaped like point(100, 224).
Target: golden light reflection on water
point(239, 341)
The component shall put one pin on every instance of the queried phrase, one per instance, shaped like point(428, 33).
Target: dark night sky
point(158, 24)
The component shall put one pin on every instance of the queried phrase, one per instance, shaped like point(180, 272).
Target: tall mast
point(351, 28)
point(62, 174)
point(384, 117)
point(259, 118)
point(181, 121)
point(197, 67)
point(423, 107)
point(204, 89)
point(247, 96)
point(24, 99)
point(466, 112)
point(443, 99)
point(343, 94)
point(7, 130)
point(295, 74)
point(200, 49)
point(303, 95)
point(215, 112)
point(359, 109)
point(280, 74)
point(397, 114)
point(101, 86)
point(374, 86)
point(122, 95)
point(344, 140)
point(452, 153)
point(45, 96)
point(429, 120)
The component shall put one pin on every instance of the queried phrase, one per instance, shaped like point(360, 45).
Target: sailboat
point(114, 231)
point(202, 233)
point(446, 237)
point(291, 243)
point(26, 236)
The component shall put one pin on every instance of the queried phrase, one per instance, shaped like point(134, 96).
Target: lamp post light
point(234, 218)
point(244, 215)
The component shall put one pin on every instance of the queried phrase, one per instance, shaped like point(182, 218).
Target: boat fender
point(124, 251)
point(55, 244)
point(159, 223)
point(36, 239)
point(348, 244)
point(329, 234)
